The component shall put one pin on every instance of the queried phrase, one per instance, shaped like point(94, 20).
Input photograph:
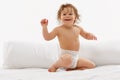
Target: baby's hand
point(92, 37)
point(44, 22)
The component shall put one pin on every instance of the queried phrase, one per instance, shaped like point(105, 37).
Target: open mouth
point(67, 19)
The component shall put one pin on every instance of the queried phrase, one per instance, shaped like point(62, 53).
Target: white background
point(19, 19)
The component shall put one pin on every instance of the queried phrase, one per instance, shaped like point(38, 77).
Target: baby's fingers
point(44, 21)
point(94, 38)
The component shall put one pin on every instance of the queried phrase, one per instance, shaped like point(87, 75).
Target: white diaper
point(74, 54)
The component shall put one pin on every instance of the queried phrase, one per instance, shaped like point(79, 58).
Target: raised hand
point(44, 22)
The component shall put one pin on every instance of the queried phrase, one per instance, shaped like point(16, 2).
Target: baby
point(68, 36)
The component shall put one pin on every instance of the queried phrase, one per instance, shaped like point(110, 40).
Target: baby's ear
point(75, 20)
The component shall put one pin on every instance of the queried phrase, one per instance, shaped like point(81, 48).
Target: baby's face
point(68, 16)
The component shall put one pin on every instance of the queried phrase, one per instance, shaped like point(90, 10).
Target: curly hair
point(68, 6)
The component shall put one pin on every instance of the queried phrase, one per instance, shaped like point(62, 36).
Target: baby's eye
point(64, 14)
point(70, 14)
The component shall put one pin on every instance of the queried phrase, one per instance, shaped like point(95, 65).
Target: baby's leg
point(65, 61)
point(85, 64)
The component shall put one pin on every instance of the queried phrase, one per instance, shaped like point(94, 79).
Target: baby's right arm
point(47, 36)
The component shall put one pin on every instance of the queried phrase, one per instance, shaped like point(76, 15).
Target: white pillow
point(101, 52)
point(29, 55)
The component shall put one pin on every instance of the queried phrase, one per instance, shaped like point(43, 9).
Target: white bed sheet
point(110, 72)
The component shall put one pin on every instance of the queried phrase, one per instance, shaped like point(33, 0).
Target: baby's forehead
point(67, 10)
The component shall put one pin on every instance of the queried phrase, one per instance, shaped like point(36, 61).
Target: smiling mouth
point(67, 19)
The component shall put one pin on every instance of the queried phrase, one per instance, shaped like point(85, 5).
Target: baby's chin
point(68, 23)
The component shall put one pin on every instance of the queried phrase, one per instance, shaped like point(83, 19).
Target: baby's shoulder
point(77, 26)
point(57, 27)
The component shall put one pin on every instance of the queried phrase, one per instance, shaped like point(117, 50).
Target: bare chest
point(69, 34)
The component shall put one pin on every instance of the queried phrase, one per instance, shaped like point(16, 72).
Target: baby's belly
point(71, 46)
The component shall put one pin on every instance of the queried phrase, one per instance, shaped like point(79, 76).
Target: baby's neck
point(68, 26)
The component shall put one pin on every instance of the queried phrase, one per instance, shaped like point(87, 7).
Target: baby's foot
point(52, 69)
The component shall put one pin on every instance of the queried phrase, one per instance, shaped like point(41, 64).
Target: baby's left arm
point(87, 35)
point(90, 36)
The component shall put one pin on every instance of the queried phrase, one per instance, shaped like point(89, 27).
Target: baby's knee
point(66, 59)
